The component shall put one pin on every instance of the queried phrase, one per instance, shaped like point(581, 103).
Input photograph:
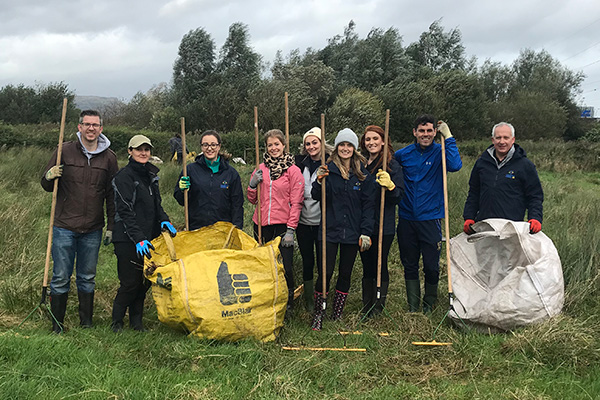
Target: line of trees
point(353, 80)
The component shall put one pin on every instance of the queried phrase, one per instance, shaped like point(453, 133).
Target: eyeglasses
point(87, 125)
point(211, 145)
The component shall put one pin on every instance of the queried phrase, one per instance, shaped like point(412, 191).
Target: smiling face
point(345, 150)
point(275, 147)
point(373, 143)
point(140, 154)
point(210, 147)
point(425, 134)
point(90, 129)
point(312, 145)
point(503, 141)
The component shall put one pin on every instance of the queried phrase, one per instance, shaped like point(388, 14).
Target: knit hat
point(137, 141)
point(312, 132)
point(346, 135)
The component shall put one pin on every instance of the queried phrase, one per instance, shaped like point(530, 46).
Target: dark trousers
point(416, 239)
point(268, 233)
point(307, 236)
point(369, 258)
point(347, 257)
point(133, 284)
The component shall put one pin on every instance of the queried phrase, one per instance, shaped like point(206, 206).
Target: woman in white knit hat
point(350, 209)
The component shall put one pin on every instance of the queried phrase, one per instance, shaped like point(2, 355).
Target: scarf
point(278, 166)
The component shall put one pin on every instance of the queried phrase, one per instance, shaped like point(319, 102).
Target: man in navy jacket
point(422, 207)
point(504, 183)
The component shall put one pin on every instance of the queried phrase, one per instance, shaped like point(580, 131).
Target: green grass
point(558, 359)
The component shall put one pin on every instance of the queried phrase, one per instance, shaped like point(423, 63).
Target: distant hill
point(95, 102)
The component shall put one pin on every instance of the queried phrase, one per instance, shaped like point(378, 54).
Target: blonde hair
point(276, 133)
point(355, 164)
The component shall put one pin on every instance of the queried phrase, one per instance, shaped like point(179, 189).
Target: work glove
point(364, 242)
point(143, 249)
point(467, 227)
point(384, 180)
point(256, 179)
point(534, 226)
point(107, 237)
point(54, 172)
point(288, 238)
point(167, 226)
point(322, 172)
point(184, 183)
point(444, 130)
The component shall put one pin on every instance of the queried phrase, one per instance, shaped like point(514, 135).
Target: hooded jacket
point(423, 180)
point(392, 197)
point(139, 212)
point(84, 187)
point(213, 196)
point(350, 205)
point(504, 192)
point(281, 199)
point(311, 209)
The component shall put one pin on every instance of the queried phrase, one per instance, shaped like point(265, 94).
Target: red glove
point(534, 226)
point(467, 227)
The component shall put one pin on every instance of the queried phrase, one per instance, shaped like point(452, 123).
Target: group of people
point(353, 179)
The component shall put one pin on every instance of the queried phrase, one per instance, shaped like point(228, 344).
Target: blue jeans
point(66, 245)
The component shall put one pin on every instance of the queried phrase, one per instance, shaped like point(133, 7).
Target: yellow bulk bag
point(217, 283)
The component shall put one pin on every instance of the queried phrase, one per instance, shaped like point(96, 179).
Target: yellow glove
point(384, 180)
point(444, 130)
point(54, 172)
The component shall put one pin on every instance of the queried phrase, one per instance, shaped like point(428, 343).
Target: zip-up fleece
point(350, 205)
point(423, 181)
point(504, 192)
point(138, 204)
point(392, 197)
point(280, 200)
point(213, 196)
point(84, 187)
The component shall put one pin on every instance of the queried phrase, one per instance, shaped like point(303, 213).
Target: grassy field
point(559, 359)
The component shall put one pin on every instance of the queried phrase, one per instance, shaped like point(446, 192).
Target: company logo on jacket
point(224, 185)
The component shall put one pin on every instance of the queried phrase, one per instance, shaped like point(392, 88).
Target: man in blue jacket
point(422, 207)
point(504, 183)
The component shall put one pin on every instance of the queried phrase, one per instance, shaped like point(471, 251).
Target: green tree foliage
point(194, 66)
point(32, 105)
point(354, 109)
point(439, 50)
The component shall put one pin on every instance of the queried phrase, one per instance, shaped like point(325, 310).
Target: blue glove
point(166, 225)
point(143, 249)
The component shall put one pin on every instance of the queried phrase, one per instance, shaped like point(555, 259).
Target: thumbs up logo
point(233, 288)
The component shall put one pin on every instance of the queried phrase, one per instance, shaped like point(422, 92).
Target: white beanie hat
point(312, 132)
point(347, 135)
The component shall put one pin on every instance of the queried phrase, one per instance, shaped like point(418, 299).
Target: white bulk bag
point(505, 277)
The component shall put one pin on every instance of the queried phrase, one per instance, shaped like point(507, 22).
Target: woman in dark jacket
point(214, 187)
point(372, 143)
point(139, 219)
point(309, 160)
point(350, 218)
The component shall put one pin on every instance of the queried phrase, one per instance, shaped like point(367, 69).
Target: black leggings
point(347, 257)
point(369, 258)
point(268, 233)
point(133, 284)
point(307, 236)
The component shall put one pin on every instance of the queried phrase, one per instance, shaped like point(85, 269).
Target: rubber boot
point(58, 307)
point(319, 313)
point(368, 295)
point(118, 313)
point(413, 295)
point(379, 304)
point(86, 309)
point(309, 295)
point(339, 301)
point(430, 297)
point(136, 311)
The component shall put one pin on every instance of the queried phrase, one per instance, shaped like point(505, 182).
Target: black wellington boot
point(58, 307)
point(86, 309)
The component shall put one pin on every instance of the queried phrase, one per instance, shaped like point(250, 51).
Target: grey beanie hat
point(347, 135)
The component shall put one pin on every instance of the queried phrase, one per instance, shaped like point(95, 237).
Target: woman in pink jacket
point(281, 197)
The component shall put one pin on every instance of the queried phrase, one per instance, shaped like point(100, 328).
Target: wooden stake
point(184, 161)
point(382, 203)
point(54, 196)
point(323, 218)
point(287, 124)
point(446, 222)
point(257, 167)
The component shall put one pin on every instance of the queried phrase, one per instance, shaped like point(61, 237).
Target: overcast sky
point(116, 48)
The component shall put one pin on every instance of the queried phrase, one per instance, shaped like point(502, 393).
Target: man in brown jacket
point(85, 186)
